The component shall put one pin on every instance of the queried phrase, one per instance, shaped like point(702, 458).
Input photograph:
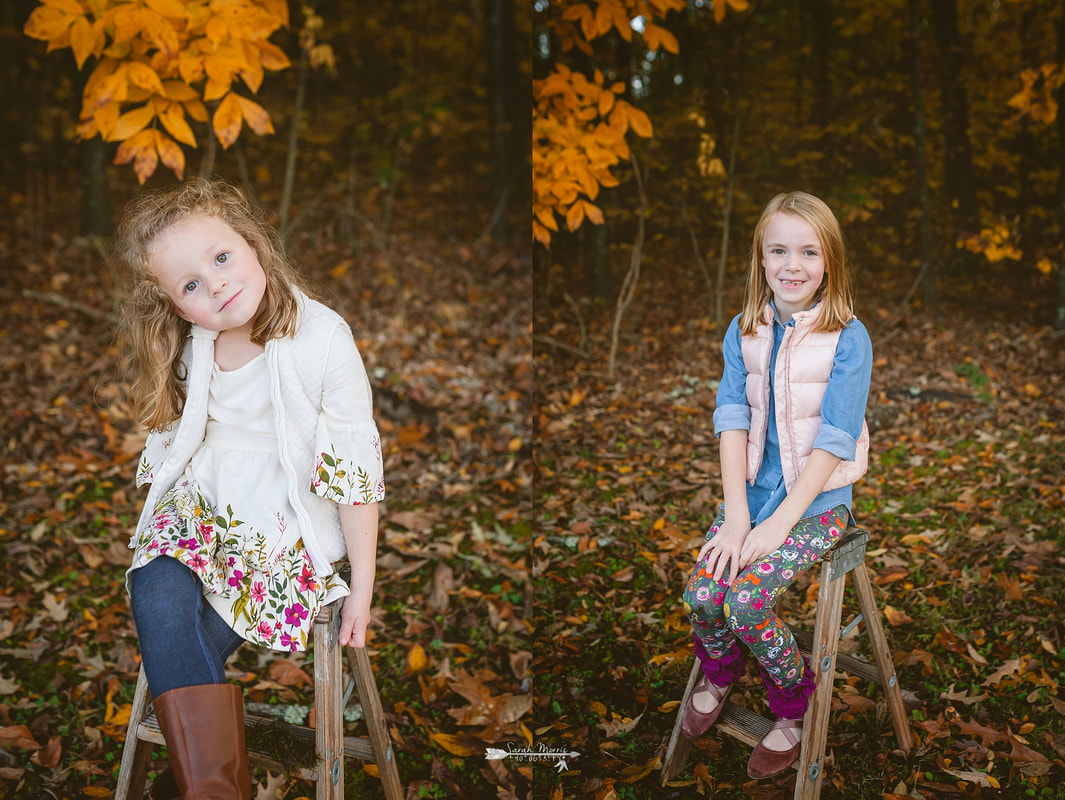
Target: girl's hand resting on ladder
point(353, 620)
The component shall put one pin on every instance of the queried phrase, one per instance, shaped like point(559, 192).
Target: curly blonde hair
point(153, 333)
point(835, 290)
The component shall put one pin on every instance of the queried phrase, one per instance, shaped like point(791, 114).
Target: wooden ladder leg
point(679, 744)
point(136, 755)
point(366, 686)
point(823, 662)
point(882, 656)
point(328, 713)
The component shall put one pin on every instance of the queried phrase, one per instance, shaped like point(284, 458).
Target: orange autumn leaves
point(580, 124)
point(579, 129)
point(159, 62)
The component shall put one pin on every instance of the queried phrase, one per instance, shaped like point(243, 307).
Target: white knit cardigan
point(327, 440)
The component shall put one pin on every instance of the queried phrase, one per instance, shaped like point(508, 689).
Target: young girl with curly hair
point(263, 458)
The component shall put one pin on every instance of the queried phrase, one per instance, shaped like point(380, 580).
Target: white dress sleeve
point(348, 465)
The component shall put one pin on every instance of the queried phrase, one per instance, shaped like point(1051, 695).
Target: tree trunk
point(1059, 95)
point(928, 278)
point(293, 145)
point(96, 219)
point(1026, 144)
point(818, 15)
point(632, 275)
point(597, 262)
point(726, 222)
point(956, 145)
point(210, 146)
point(502, 85)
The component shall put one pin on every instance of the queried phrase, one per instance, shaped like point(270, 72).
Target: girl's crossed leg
point(721, 614)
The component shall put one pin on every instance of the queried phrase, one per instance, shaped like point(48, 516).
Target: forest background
point(926, 125)
point(931, 128)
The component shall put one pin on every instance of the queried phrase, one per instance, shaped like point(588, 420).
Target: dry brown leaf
point(519, 663)
point(1028, 760)
point(617, 725)
point(1011, 667)
point(443, 582)
point(516, 706)
point(458, 744)
point(635, 772)
point(18, 736)
point(896, 617)
point(417, 660)
point(57, 609)
point(49, 756)
point(288, 674)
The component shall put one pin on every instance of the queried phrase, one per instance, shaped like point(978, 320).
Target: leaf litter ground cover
point(444, 327)
point(964, 501)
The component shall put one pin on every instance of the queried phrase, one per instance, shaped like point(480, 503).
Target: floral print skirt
point(266, 591)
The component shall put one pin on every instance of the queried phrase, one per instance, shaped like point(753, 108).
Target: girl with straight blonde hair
point(790, 418)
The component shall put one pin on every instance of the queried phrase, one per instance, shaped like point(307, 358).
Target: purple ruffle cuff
point(790, 702)
point(722, 671)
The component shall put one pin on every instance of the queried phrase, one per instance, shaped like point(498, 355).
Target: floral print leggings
point(721, 613)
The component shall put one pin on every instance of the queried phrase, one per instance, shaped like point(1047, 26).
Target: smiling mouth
point(225, 305)
point(792, 283)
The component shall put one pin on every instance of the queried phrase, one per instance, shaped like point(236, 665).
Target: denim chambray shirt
point(842, 413)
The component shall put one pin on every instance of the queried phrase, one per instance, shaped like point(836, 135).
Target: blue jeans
point(183, 640)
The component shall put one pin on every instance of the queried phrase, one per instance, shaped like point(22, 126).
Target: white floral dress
point(228, 518)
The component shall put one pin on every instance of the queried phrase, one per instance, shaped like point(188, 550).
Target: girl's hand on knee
point(763, 540)
point(353, 621)
point(725, 548)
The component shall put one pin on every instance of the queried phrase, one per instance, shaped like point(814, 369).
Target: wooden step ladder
point(846, 557)
point(331, 746)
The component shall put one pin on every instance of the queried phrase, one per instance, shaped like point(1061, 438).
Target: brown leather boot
point(164, 787)
point(204, 731)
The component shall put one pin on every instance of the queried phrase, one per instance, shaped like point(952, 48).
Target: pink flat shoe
point(766, 763)
point(695, 722)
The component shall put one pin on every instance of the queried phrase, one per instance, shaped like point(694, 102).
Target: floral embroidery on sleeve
point(344, 481)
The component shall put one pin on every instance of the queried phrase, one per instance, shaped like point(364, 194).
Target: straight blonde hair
point(151, 330)
point(834, 293)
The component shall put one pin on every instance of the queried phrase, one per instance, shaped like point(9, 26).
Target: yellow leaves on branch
point(735, 5)
point(579, 130)
point(709, 164)
point(159, 62)
point(1036, 97)
point(994, 243)
point(580, 125)
point(581, 21)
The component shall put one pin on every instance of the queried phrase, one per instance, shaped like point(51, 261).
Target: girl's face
point(794, 263)
point(210, 272)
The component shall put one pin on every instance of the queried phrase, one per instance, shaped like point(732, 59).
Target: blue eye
point(190, 287)
point(221, 258)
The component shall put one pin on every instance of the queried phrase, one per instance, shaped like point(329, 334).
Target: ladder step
point(355, 747)
point(744, 724)
point(847, 663)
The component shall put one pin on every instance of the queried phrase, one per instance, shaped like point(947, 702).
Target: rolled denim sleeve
point(732, 411)
point(843, 407)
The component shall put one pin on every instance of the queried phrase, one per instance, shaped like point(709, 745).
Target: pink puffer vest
point(804, 364)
